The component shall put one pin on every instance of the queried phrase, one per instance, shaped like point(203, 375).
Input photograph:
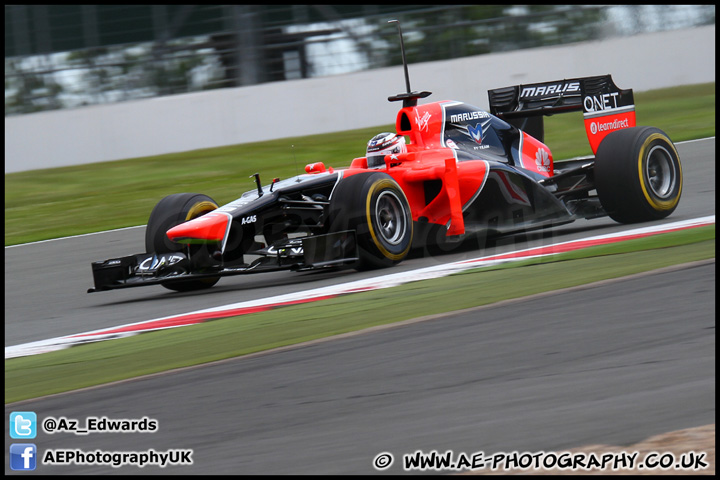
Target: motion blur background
point(66, 56)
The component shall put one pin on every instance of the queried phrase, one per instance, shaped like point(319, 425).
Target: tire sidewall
point(659, 141)
point(387, 190)
point(353, 206)
point(621, 174)
point(169, 212)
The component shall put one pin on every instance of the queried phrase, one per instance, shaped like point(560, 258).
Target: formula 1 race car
point(464, 172)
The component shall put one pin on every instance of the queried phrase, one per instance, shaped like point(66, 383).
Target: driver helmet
point(384, 144)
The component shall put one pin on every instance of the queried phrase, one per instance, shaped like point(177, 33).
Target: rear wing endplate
point(605, 107)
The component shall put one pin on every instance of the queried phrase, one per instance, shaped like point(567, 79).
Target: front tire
point(375, 206)
point(169, 212)
point(638, 175)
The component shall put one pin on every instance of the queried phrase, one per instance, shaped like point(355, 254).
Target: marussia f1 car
point(464, 172)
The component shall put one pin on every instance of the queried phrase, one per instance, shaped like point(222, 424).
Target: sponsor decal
point(550, 89)
point(597, 127)
point(155, 262)
point(292, 251)
point(475, 132)
point(542, 160)
point(423, 121)
point(599, 103)
point(464, 117)
point(249, 219)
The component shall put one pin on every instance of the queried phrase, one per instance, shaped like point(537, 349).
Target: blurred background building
point(65, 56)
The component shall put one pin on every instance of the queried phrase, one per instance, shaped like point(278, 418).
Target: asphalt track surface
point(614, 364)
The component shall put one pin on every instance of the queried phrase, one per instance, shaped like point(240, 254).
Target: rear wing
point(605, 107)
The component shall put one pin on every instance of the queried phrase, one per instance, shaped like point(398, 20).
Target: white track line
point(385, 281)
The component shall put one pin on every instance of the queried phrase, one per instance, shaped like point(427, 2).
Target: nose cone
point(211, 227)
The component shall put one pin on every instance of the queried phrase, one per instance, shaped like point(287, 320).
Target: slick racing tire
point(169, 212)
point(638, 176)
point(375, 206)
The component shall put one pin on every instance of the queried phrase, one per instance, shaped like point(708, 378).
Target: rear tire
point(375, 206)
point(169, 212)
point(638, 175)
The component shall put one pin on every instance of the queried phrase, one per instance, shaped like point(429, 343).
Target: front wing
point(144, 269)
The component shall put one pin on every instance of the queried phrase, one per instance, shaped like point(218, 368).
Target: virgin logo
point(422, 122)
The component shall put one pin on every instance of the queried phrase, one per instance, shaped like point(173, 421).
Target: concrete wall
point(343, 102)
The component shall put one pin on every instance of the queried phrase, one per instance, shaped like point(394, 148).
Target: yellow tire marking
point(368, 211)
point(658, 204)
point(200, 208)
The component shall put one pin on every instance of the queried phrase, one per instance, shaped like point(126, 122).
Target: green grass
point(684, 113)
point(53, 203)
point(73, 200)
point(98, 363)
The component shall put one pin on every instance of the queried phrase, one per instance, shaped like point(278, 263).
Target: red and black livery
point(466, 173)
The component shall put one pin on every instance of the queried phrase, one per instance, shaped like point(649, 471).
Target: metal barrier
point(73, 55)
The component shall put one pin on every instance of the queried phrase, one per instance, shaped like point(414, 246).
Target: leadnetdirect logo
point(596, 127)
